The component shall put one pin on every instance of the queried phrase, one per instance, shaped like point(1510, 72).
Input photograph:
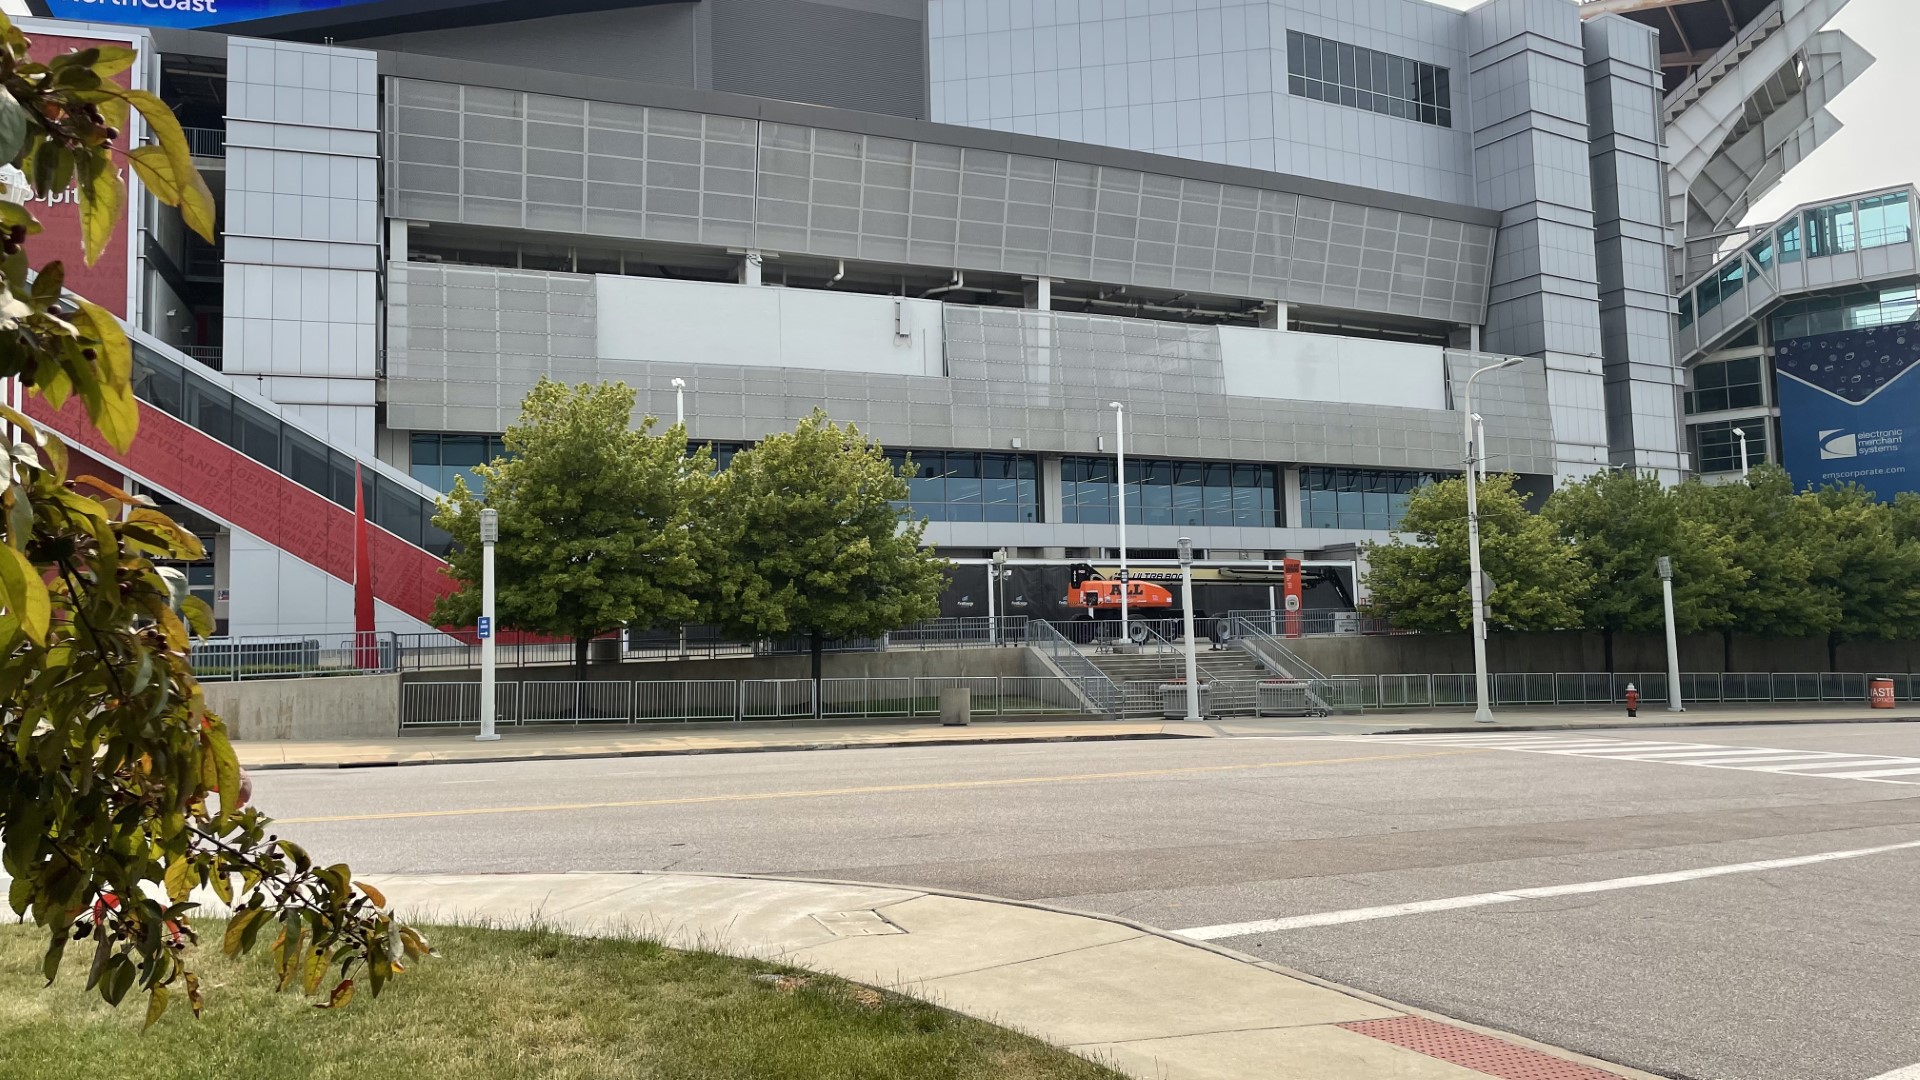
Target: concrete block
point(956, 706)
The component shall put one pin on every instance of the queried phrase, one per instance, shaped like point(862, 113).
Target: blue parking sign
point(486, 627)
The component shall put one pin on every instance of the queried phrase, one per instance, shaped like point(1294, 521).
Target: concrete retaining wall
point(1421, 654)
point(336, 707)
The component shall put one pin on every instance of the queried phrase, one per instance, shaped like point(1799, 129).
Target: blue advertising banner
point(1850, 408)
point(187, 13)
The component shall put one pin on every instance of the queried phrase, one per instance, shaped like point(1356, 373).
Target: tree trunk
point(580, 656)
point(818, 649)
point(1833, 652)
point(1606, 641)
point(1726, 650)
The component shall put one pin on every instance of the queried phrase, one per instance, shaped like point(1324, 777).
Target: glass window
point(1686, 310)
point(1762, 253)
point(258, 433)
point(1356, 498)
point(210, 409)
point(1170, 492)
point(1789, 235)
point(399, 511)
point(306, 460)
point(959, 485)
point(1851, 310)
point(1830, 230)
point(1716, 449)
point(158, 382)
point(1885, 219)
point(1367, 79)
point(1726, 384)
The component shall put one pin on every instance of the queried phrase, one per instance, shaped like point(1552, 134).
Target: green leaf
point(156, 1006)
point(19, 516)
point(316, 970)
point(155, 169)
point(118, 979)
point(25, 594)
point(51, 278)
point(195, 201)
point(112, 59)
point(199, 616)
point(237, 929)
point(50, 963)
point(13, 128)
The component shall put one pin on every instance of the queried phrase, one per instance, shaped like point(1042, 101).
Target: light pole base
point(1483, 716)
point(495, 737)
point(1676, 708)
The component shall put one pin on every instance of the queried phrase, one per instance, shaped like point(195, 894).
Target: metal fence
point(294, 656)
point(206, 142)
point(1599, 688)
point(615, 701)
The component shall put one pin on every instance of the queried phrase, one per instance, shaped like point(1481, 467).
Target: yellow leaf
point(155, 170)
point(25, 594)
point(113, 60)
point(156, 1006)
point(226, 768)
point(119, 413)
point(341, 994)
point(186, 545)
point(195, 201)
point(179, 880)
point(316, 970)
point(237, 929)
point(373, 894)
point(101, 194)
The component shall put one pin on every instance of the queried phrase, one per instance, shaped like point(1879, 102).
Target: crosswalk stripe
point(1877, 768)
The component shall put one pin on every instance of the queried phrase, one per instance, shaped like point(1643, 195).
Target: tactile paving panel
point(1472, 1050)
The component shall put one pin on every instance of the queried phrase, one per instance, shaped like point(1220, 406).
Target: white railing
point(294, 656)
point(1101, 691)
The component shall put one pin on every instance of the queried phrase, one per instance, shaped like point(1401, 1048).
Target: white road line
point(1452, 903)
point(1862, 762)
point(1875, 773)
point(1911, 1072)
point(1780, 761)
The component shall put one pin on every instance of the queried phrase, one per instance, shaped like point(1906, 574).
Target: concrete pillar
point(1274, 318)
point(750, 268)
point(1052, 508)
point(1290, 516)
point(396, 240)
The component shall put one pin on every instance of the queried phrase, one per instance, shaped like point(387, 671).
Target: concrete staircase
point(1139, 675)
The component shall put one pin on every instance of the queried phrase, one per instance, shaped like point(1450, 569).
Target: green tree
point(1768, 529)
point(1539, 579)
point(808, 528)
point(1621, 523)
point(596, 520)
point(119, 791)
point(1867, 570)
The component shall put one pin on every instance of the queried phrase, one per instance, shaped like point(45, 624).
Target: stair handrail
point(1285, 662)
point(1096, 685)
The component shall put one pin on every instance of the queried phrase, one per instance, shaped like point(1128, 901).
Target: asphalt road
point(1799, 972)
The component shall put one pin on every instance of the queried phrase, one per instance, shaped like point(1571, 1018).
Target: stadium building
point(1280, 233)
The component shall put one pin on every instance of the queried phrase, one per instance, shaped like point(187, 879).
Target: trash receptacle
point(956, 706)
point(1284, 697)
point(1880, 693)
point(1173, 699)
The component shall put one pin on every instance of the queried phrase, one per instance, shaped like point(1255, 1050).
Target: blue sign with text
point(485, 628)
point(1850, 408)
point(188, 13)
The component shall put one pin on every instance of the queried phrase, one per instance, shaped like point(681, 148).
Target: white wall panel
point(1319, 367)
point(763, 326)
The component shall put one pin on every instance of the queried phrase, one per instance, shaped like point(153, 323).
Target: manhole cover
point(1472, 1050)
point(855, 923)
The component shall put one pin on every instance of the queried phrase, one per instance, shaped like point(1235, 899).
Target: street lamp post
point(489, 535)
point(1186, 619)
point(1120, 485)
point(680, 403)
point(1674, 704)
point(1482, 712)
point(1741, 434)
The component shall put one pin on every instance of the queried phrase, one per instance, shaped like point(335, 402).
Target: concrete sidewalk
point(520, 744)
point(1143, 1001)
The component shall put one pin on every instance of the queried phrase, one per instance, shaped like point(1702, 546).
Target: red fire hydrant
point(1633, 700)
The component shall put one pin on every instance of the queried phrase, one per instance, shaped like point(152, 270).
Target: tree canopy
point(809, 535)
point(119, 791)
point(1539, 578)
point(1754, 557)
point(597, 520)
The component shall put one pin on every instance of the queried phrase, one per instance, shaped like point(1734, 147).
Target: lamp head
point(1186, 551)
point(1739, 433)
point(1509, 362)
point(1000, 556)
point(489, 526)
point(679, 383)
point(1116, 406)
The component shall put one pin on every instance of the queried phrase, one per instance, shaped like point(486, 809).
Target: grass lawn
point(502, 1004)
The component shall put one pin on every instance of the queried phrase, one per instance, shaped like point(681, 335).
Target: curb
point(1626, 1072)
point(696, 751)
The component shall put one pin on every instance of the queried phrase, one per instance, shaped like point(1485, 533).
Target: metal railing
point(212, 356)
point(617, 701)
point(1506, 688)
point(294, 656)
point(1317, 623)
point(1101, 691)
point(206, 142)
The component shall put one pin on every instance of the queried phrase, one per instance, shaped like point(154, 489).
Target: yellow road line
point(888, 789)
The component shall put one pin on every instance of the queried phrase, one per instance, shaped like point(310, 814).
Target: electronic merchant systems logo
point(1835, 443)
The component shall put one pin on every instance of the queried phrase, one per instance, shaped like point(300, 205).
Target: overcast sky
point(1877, 147)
